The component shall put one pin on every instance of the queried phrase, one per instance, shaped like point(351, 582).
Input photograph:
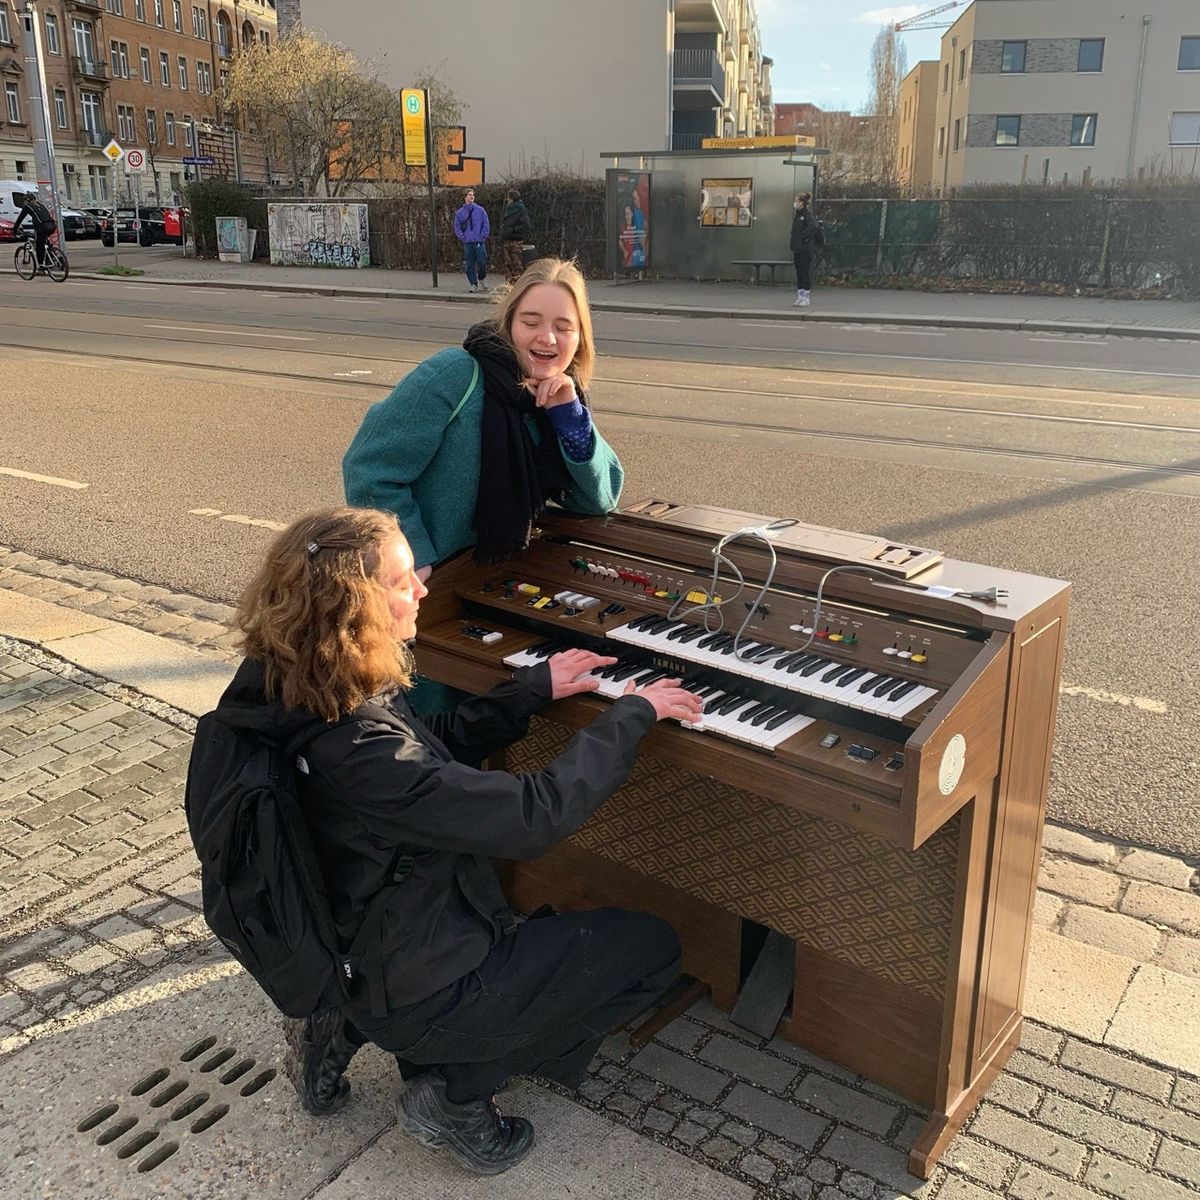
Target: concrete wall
point(1051, 91)
point(558, 81)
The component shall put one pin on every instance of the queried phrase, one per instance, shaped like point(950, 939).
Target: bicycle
point(25, 261)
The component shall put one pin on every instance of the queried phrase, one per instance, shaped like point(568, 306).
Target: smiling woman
point(471, 446)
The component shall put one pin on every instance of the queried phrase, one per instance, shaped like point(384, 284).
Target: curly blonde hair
point(317, 617)
point(565, 274)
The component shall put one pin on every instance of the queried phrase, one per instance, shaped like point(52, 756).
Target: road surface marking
point(348, 300)
point(1141, 702)
point(237, 518)
point(285, 337)
point(643, 317)
point(1059, 341)
point(348, 374)
point(141, 287)
point(53, 479)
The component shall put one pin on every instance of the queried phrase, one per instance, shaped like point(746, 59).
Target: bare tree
point(889, 65)
point(315, 107)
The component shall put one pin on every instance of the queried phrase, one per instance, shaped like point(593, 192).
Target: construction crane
point(921, 20)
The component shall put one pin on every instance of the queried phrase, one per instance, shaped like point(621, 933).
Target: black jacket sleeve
point(406, 795)
point(485, 724)
point(21, 218)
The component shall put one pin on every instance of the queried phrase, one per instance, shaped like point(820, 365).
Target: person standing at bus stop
point(471, 227)
point(807, 235)
point(514, 233)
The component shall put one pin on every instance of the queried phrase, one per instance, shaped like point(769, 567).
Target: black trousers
point(41, 240)
point(803, 260)
point(540, 1003)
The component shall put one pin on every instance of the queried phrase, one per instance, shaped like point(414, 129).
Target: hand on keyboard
point(671, 702)
point(567, 668)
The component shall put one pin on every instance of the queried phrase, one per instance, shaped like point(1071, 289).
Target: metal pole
point(116, 227)
point(1137, 98)
point(43, 137)
point(137, 208)
point(882, 233)
point(430, 167)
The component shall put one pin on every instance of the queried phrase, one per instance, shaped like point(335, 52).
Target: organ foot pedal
point(765, 993)
point(681, 996)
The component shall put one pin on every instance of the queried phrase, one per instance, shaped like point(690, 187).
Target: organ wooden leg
point(678, 1002)
point(939, 1130)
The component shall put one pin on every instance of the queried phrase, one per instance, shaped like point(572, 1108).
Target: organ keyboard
point(867, 733)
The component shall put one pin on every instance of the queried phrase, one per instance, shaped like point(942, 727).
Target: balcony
point(224, 51)
point(686, 141)
point(91, 69)
point(700, 15)
point(95, 137)
point(699, 79)
point(90, 6)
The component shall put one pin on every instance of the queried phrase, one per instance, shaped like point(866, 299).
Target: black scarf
point(516, 477)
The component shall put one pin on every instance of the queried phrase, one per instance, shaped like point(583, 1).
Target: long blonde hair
point(317, 617)
point(565, 274)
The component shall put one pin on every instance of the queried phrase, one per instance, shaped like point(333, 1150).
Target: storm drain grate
point(172, 1103)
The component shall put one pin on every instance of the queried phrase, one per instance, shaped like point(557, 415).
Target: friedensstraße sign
point(412, 100)
point(782, 141)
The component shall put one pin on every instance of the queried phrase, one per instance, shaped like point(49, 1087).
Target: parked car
point(145, 226)
point(6, 230)
point(79, 224)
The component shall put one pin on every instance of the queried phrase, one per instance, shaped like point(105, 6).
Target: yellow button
point(835, 637)
point(919, 658)
point(529, 589)
point(660, 595)
point(697, 597)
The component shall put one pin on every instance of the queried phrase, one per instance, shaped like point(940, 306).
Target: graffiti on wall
point(319, 235)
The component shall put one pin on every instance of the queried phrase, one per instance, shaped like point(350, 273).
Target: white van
point(9, 189)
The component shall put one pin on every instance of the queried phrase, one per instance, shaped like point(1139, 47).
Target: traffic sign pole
point(114, 152)
point(429, 169)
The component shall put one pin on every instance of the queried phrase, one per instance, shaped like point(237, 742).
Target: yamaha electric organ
point(867, 784)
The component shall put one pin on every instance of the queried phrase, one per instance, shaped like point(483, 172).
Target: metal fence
point(1075, 241)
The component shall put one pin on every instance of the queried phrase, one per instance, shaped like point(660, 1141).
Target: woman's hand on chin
point(551, 391)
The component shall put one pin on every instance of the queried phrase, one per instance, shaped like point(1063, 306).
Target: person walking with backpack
point(41, 220)
point(472, 228)
point(807, 234)
point(438, 971)
point(514, 233)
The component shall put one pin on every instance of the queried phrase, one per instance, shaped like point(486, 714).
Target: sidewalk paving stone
point(1159, 1019)
point(1163, 905)
point(1126, 1182)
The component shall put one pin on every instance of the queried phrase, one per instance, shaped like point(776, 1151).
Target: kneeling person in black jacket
point(462, 994)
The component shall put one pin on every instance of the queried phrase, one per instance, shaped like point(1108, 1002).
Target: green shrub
point(215, 198)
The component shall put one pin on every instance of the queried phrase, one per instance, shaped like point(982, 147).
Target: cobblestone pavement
point(98, 888)
point(1131, 901)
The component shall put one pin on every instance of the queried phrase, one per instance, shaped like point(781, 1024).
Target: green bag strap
point(467, 394)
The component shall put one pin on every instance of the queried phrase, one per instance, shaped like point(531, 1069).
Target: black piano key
point(624, 671)
point(889, 682)
point(642, 621)
point(783, 716)
point(903, 690)
point(805, 660)
point(705, 642)
point(870, 682)
point(787, 660)
point(732, 701)
point(645, 679)
point(696, 631)
point(753, 711)
point(835, 671)
point(679, 631)
point(814, 667)
point(766, 654)
point(660, 625)
point(762, 717)
point(853, 677)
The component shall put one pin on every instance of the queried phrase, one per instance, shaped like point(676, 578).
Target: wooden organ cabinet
point(871, 784)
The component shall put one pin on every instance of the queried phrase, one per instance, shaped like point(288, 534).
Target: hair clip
point(312, 549)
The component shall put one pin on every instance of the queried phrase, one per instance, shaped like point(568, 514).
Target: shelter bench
point(759, 263)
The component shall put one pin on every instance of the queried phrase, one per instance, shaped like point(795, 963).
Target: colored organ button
point(904, 654)
point(891, 650)
point(836, 637)
point(529, 589)
point(920, 658)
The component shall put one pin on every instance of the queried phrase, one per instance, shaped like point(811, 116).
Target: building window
point(158, 13)
point(1091, 54)
point(177, 13)
point(98, 183)
point(182, 73)
point(1189, 54)
point(169, 126)
point(53, 45)
point(945, 78)
point(13, 96)
point(85, 41)
point(1008, 131)
point(22, 168)
point(164, 68)
point(941, 141)
point(204, 78)
point(957, 133)
point(151, 127)
point(1185, 129)
point(147, 69)
point(69, 180)
point(116, 7)
point(187, 131)
point(5, 32)
point(962, 65)
point(1012, 58)
point(90, 102)
point(264, 36)
point(60, 108)
point(1083, 129)
point(120, 59)
point(199, 22)
point(125, 125)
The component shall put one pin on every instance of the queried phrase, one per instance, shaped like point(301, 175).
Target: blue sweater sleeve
point(573, 424)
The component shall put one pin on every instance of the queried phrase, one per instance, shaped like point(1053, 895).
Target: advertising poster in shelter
point(633, 219)
point(725, 202)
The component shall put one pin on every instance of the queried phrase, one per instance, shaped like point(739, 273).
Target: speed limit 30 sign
point(135, 162)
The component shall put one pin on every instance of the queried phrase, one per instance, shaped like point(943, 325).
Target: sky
point(822, 50)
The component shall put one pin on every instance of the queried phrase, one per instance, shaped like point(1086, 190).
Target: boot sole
point(436, 1140)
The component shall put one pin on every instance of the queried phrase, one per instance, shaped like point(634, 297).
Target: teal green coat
point(417, 455)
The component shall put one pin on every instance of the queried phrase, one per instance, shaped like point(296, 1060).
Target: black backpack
point(262, 887)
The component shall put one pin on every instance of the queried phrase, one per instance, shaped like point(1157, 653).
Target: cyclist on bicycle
point(41, 220)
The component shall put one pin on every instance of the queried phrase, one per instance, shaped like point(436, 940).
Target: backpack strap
point(467, 394)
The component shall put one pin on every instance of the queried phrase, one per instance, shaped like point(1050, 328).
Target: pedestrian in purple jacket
point(472, 228)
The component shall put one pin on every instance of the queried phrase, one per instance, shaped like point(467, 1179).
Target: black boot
point(319, 1050)
point(476, 1133)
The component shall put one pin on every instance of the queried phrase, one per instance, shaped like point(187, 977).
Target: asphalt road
point(1070, 456)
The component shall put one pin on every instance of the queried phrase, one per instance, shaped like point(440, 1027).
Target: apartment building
point(566, 80)
point(918, 122)
point(146, 72)
point(1068, 90)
